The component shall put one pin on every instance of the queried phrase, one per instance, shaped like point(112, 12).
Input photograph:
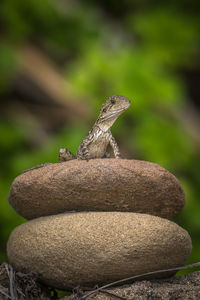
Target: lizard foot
point(65, 155)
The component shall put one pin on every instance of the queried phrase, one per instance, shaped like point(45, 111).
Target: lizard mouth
point(117, 111)
point(113, 114)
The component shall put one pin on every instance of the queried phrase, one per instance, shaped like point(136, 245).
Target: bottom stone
point(94, 248)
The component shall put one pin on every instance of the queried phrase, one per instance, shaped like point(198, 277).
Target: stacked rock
point(97, 221)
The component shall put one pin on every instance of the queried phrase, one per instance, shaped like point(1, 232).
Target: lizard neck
point(103, 126)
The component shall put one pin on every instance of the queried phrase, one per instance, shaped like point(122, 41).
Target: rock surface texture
point(185, 287)
point(97, 185)
point(119, 226)
point(96, 247)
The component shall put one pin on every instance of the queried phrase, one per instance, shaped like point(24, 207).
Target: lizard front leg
point(114, 145)
point(65, 155)
point(83, 151)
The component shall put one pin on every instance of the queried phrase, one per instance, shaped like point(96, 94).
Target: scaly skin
point(96, 142)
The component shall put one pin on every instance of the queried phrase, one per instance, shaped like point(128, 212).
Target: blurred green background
point(60, 60)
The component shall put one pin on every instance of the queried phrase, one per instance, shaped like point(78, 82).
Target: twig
point(139, 276)
point(3, 293)
point(20, 292)
point(44, 73)
point(11, 280)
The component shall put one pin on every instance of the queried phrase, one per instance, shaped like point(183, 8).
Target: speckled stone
point(90, 248)
point(185, 287)
point(97, 185)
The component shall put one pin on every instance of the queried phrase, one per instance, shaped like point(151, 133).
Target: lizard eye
point(112, 101)
point(104, 109)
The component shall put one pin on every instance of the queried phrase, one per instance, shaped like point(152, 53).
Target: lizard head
point(111, 110)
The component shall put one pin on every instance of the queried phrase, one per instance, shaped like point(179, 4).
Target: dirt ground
point(18, 286)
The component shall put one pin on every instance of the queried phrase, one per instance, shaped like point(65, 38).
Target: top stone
point(97, 185)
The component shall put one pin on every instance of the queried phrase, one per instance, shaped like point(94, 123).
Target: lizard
point(99, 137)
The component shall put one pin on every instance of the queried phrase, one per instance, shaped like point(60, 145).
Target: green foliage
point(54, 24)
point(139, 55)
point(168, 36)
point(7, 66)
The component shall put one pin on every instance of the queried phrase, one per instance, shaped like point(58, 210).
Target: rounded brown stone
point(97, 185)
point(92, 248)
